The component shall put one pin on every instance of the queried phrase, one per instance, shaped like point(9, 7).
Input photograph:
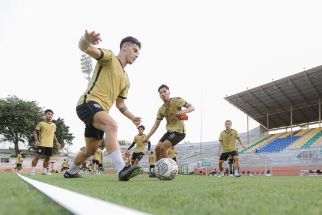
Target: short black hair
point(163, 86)
point(49, 110)
point(141, 126)
point(130, 39)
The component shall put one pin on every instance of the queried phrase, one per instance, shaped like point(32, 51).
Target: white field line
point(77, 203)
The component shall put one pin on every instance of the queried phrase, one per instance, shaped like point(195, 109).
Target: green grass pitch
point(184, 195)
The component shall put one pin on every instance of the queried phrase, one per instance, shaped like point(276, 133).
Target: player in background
point(174, 110)
point(139, 152)
point(152, 162)
point(45, 138)
point(19, 161)
point(228, 147)
point(172, 153)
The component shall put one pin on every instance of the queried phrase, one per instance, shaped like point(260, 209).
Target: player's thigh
point(104, 121)
point(166, 145)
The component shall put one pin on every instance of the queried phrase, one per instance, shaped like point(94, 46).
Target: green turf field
point(184, 195)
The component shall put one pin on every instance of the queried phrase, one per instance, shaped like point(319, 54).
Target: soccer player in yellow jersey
point(19, 161)
point(228, 147)
point(140, 146)
point(45, 138)
point(64, 165)
point(171, 109)
point(172, 153)
point(98, 159)
point(109, 85)
point(152, 162)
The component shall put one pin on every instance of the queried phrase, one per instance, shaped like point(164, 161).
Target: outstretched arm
point(153, 129)
point(123, 109)
point(131, 146)
point(87, 42)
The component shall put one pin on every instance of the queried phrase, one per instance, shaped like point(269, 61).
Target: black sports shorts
point(224, 156)
point(86, 113)
point(173, 137)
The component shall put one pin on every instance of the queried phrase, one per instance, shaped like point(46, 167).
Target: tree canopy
point(18, 119)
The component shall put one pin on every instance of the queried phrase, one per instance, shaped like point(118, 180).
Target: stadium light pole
point(86, 66)
point(201, 122)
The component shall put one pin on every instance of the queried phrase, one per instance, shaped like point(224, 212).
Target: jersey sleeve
point(181, 102)
point(159, 114)
point(106, 55)
point(38, 126)
point(220, 137)
point(124, 92)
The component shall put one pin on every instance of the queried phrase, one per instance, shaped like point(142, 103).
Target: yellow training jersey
point(229, 140)
point(19, 159)
point(152, 159)
point(172, 153)
point(109, 81)
point(46, 133)
point(98, 155)
point(169, 111)
point(140, 146)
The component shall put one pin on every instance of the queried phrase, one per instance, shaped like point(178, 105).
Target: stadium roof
point(273, 105)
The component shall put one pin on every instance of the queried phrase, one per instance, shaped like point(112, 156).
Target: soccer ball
point(166, 169)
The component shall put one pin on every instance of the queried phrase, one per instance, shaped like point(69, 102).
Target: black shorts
point(230, 161)
point(224, 156)
point(86, 113)
point(46, 151)
point(137, 155)
point(95, 162)
point(18, 166)
point(152, 166)
point(173, 137)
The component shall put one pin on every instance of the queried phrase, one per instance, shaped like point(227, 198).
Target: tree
point(18, 119)
point(62, 134)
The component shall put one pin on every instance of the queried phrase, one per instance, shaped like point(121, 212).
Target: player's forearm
point(189, 109)
point(153, 129)
point(36, 135)
point(131, 146)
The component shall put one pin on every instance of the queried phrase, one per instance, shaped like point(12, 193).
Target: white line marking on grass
point(77, 203)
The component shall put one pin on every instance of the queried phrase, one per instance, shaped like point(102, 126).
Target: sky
point(203, 50)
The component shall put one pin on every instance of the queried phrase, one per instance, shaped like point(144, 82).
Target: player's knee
point(112, 127)
point(163, 148)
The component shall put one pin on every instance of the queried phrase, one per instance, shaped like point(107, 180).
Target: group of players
point(110, 84)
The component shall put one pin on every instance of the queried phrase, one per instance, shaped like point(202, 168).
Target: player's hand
point(180, 112)
point(92, 37)
point(182, 115)
point(136, 120)
point(37, 143)
point(58, 146)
